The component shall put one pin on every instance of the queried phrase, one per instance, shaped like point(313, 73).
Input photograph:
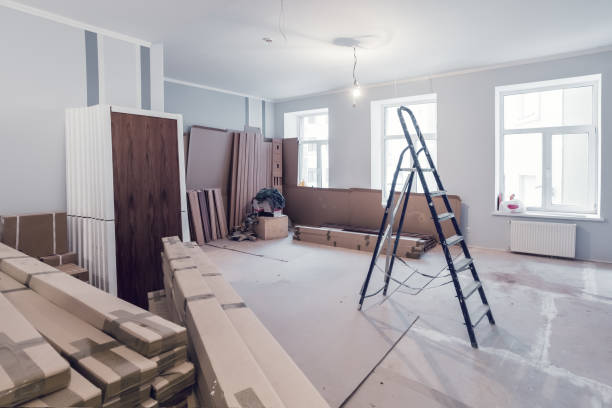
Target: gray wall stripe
point(145, 77)
point(91, 67)
point(246, 111)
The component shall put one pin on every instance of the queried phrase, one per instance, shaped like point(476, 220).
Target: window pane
point(425, 114)
point(570, 170)
point(393, 149)
point(523, 168)
point(308, 164)
point(315, 127)
point(558, 107)
point(325, 165)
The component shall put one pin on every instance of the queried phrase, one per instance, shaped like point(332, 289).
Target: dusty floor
point(551, 347)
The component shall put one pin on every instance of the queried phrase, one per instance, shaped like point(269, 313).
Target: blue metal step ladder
point(456, 265)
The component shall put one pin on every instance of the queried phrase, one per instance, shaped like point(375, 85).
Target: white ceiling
point(219, 43)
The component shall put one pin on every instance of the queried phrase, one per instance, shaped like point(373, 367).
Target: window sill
point(551, 216)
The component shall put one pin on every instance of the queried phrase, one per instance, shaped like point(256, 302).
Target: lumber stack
point(408, 247)
point(237, 359)
point(111, 353)
point(207, 215)
point(277, 164)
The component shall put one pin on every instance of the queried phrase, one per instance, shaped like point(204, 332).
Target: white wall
point(42, 71)
point(466, 141)
point(119, 70)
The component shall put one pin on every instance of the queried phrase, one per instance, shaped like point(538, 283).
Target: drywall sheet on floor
point(309, 304)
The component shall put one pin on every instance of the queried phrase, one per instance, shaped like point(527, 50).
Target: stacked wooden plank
point(238, 361)
point(251, 170)
point(408, 247)
point(207, 215)
point(430, 241)
point(277, 164)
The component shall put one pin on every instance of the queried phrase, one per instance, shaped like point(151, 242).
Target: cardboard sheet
point(172, 381)
point(137, 328)
point(112, 367)
point(36, 234)
point(79, 393)
point(29, 366)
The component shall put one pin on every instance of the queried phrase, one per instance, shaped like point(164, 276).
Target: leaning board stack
point(113, 354)
point(207, 215)
point(408, 247)
point(239, 363)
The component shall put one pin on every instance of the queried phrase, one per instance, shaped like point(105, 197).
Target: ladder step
point(425, 169)
point(470, 289)
point(445, 216)
point(479, 314)
point(462, 264)
point(455, 239)
point(437, 193)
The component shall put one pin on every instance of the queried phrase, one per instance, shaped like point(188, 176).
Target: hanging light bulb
point(356, 89)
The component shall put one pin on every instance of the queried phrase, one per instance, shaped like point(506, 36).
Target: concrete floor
point(551, 347)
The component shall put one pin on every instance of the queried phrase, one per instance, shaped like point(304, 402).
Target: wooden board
point(232, 218)
point(205, 216)
point(147, 199)
point(221, 216)
point(212, 215)
point(194, 205)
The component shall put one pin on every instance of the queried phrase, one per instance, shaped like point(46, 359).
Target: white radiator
point(543, 238)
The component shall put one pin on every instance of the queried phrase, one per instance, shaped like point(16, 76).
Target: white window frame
point(300, 117)
point(593, 130)
point(379, 135)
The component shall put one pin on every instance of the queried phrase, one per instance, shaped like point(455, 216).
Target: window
point(388, 140)
point(313, 161)
point(547, 146)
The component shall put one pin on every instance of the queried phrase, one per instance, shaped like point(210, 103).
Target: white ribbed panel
point(543, 238)
point(90, 194)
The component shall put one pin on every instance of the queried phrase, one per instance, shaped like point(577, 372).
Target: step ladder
point(454, 265)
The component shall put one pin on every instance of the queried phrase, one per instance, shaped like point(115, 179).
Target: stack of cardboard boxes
point(44, 237)
point(70, 344)
point(239, 363)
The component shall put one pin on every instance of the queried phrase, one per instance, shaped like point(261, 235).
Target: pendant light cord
point(354, 65)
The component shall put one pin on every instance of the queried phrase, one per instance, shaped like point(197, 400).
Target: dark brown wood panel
point(147, 200)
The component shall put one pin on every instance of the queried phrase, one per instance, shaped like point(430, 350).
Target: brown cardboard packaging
point(149, 403)
point(112, 367)
point(290, 383)
point(172, 381)
point(227, 372)
point(60, 259)
point(79, 393)
point(36, 234)
point(130, 398)
point(10, 252)
point(170, 358)
point(272, 227)
point(75, 271)
point(29, 367)
point(138, 329)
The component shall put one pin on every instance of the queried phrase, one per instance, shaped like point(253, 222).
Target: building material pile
point(238, 362)
point(207, 215)
point(408, 247)
point(430, 241)
point(119, 350)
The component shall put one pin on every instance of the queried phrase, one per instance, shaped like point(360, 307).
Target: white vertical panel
point(255, 112)
point(120, 61)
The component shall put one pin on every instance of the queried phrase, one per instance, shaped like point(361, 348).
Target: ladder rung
point(426, 169)
point(445, 216)
point(470, 289)
point(479, 314)
point(455, 239)
point(437, 193)
point(462, 264)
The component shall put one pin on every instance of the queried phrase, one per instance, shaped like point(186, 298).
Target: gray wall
point(466, 142)
point(42, 71)
point(205, 107)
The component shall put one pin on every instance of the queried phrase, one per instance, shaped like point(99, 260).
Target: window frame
point(594, 142)
point(318, 143)
point(379, 136)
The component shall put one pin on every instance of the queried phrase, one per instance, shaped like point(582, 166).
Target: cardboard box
point(288, 380)
point(75, 271)
point(36, 235)
point(79, 393)
point(137, 328)
point(10, 252)
point(228, 375)
point(170, 358)
point(111, 366)
point(172, 381)
point(272, 227)
point(29, 366)
point(60, 259)
point(149, 403)
point(130, 398)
